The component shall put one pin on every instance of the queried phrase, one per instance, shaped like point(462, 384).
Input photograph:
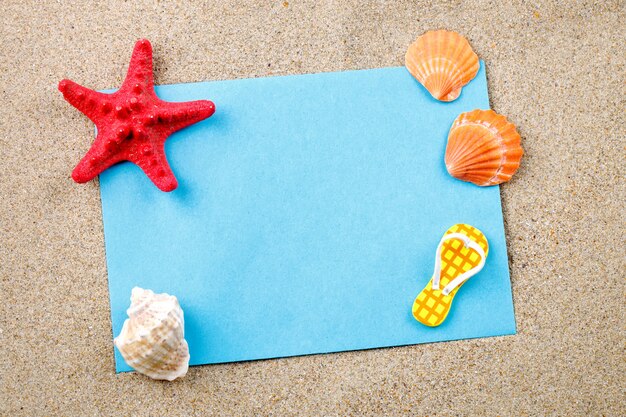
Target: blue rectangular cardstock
point(306, 219)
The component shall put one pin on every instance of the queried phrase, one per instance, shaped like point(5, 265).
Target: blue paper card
point(306, 219)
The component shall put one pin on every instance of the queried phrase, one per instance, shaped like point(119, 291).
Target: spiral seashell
point(483, 148)
point(443, 62)
point(152, 340)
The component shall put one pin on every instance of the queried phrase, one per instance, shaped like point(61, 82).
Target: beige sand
point(556, 69)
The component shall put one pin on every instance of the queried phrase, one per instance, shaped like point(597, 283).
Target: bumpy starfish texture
point(133, 123)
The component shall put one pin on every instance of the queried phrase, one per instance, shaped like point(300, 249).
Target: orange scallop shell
point(443, 62)
point(483, 148)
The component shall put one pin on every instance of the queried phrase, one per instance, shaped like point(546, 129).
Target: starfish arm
point(139, 77)
point(154, 164)
point(177, 116)
point(100, 156)
point(91, 103)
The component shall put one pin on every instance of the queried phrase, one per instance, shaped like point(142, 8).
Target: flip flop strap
point(467, 242)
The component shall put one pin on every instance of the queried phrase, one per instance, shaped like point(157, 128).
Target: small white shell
point(152, 340)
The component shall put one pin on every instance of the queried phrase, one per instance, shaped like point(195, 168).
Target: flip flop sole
point(431, 307)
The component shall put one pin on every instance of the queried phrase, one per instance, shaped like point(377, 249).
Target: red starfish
point(133, 122)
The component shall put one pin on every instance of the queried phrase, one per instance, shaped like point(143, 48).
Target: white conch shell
point(152, 340)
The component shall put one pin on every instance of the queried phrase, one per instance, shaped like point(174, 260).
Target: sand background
point(556, 69)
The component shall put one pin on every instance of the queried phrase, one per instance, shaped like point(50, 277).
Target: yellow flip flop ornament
point(460, 255)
